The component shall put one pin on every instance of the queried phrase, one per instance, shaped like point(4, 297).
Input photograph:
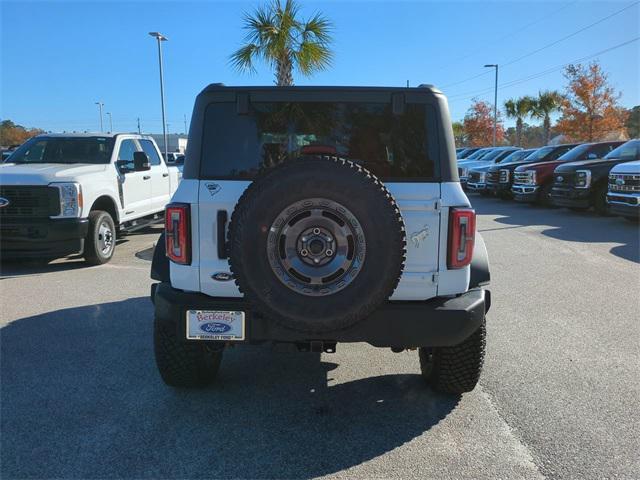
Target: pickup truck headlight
point(464, 172)
point(531, 177)
point(482, 176)
point(504, 175)
point(583, 178)
point(70, 195)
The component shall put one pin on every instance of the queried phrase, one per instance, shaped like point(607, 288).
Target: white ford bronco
point(64, 194)
point(318, 215)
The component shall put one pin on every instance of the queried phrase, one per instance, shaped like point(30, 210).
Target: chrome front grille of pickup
point(624, 182)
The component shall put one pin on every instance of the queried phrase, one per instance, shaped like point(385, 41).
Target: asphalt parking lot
point(81, 397)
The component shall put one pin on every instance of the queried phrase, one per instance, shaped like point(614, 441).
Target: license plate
point(215, 325)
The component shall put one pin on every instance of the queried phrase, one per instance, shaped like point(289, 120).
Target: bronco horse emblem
point(419, 236)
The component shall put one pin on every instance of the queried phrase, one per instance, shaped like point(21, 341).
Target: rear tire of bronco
point(101, 239)
point(183, 364)
point(455, 369)
point(317, 244)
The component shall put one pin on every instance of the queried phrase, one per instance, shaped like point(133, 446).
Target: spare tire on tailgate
point(316, 244)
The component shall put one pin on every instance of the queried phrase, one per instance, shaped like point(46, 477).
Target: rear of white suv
point(282, 230)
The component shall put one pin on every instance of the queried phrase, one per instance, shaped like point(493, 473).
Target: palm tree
point(519, 109)
point(547, 102)
point(278, 37)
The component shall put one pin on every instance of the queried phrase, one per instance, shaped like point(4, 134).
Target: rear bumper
point(42, 237)
point(525, 193)
point(624, 204)
point(436, 322)
point(571, 197)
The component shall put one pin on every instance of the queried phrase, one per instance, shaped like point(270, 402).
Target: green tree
point(633, 122)
point(458, 133)
point(519, 109)
point(543, 106)
point(277, 36)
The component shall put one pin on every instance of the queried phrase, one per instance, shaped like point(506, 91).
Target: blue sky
point(58, 58)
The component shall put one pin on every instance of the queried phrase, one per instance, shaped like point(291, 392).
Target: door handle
point(165, 174)
point(146, 177)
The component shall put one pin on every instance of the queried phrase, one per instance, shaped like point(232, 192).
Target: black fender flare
point(160, 262)
point(480, 275)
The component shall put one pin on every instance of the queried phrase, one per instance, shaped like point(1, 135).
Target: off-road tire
point(294, 183)
point(455, 369)
point(93, 253)
point(183, 364)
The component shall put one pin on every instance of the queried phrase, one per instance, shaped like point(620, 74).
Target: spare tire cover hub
point(316, 247)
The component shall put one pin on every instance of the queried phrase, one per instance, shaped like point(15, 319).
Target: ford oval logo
point(215, 327)
point(222, 276)
point(4, 202)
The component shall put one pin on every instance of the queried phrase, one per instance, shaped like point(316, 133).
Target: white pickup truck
point(64, 194)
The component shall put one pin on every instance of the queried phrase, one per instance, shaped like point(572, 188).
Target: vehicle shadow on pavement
point(23, 267)
point(81, 398)
point(567, 224)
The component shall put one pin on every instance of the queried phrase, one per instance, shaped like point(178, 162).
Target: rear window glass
point(239, 146)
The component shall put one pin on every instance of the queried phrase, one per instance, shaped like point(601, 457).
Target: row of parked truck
point(602, 175)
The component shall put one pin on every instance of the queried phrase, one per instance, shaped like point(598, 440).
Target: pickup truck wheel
point(544, 197)
point(454, 369)
point(101, 239)
point(600, 201)
point(182, 364)
point(317, 244)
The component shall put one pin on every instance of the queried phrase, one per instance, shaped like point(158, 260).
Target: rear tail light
point(177, 230)
point(462, 234)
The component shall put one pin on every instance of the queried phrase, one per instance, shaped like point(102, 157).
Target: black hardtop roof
point(217, 87)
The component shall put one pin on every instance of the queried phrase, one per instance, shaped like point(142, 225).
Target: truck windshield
point(539, 154)
point(575, 153)
point(626, 151)
point(516, 156)
point(95, 150)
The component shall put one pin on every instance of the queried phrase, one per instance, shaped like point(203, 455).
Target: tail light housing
point(177, 232)
point(462, 235)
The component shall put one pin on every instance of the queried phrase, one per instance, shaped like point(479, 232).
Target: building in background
point(177, 142)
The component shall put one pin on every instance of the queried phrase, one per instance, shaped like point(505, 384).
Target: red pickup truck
point(533, 182)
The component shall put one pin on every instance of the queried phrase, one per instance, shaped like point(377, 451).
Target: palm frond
point(312, 56)
point(317, 28)
point(243, 58)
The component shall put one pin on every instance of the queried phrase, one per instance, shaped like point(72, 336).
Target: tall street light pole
point(110, 122)
point(495, 103)
point(100, 105)
point(161, 38)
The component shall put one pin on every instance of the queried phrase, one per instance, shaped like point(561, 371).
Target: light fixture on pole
point(161, 38)
point(495, 103)
point(100, 105)
point(110, 122)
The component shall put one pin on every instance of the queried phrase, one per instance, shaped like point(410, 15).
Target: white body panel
point(632, 168)
point(424, 208)
point(131, 193)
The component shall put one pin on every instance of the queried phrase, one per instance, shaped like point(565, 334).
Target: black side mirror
point(141, 161)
